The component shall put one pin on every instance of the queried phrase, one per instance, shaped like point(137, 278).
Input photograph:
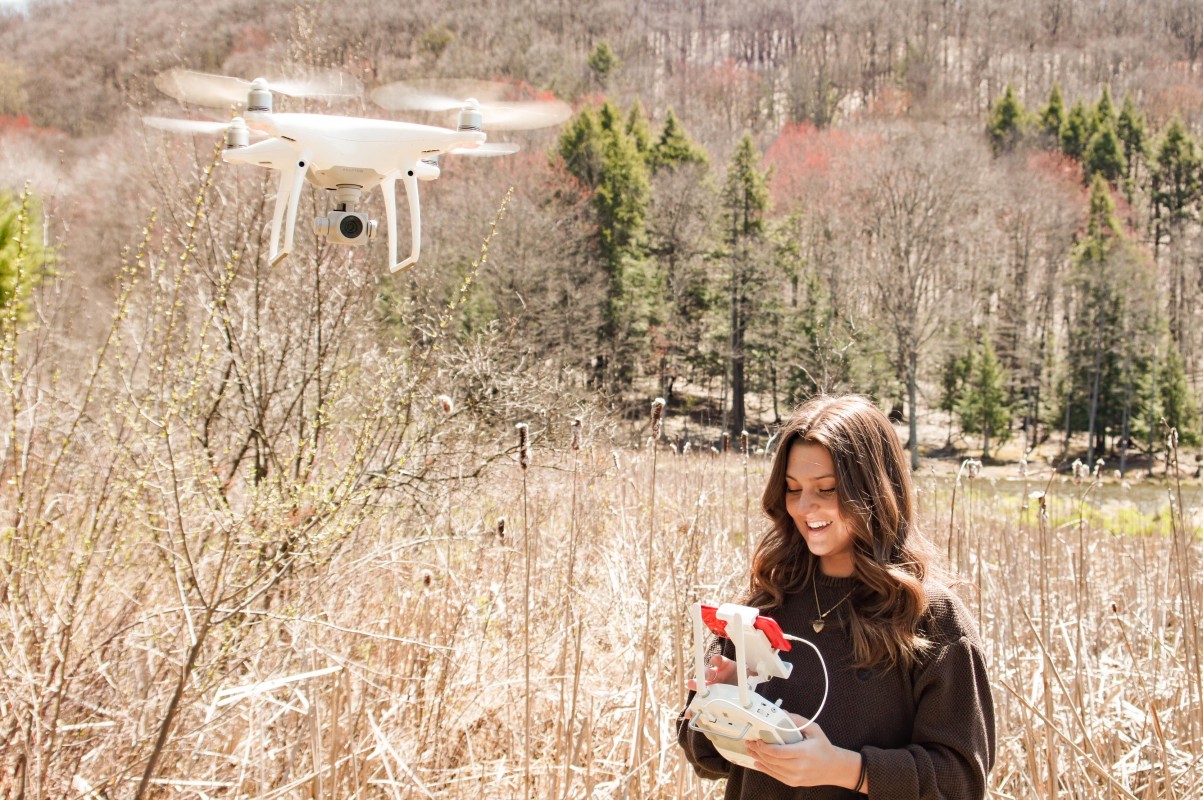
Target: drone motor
point(259, 98)
point(237, 134)
point(470, 118)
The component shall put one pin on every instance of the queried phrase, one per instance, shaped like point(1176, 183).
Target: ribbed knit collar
point(827, 582)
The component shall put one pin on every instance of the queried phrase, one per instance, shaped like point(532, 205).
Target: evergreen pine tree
point(621, 200)
point(1130, 127)
point(1104, 156)
point(983, 408)
point(1076, 132)
point(599, 151)
point(1052, 117)
point(674, 146)
point(637, 128)
point(1176, 184)
point(1112, 306)
point(745, 201)
point(1104, 109)
point(603, 63)
point(581, 146)
point(1005, 127)
point(1178, 407)
point(954, 375)
point(1176, 178)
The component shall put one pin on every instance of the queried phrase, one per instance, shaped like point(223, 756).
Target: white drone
point(348, 155)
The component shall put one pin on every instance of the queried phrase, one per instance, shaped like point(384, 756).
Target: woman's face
point(812, 502)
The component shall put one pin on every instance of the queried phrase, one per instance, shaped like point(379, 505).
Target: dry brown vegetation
point(252, 554)
point(264, 533)
point(393, 652)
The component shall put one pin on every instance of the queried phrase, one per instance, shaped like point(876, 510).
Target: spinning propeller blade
point(186, 125)
point(437, 94)
point(204, 89)
point(486, 149)
point(236, 132)
point(498, 114)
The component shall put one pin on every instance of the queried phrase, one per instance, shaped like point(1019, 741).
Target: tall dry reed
point(218, 578)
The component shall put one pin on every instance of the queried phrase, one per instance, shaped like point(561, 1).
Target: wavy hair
point(891, 558)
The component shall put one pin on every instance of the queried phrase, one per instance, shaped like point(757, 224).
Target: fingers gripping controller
point(729, 715)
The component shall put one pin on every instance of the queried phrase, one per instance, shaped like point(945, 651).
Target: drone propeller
point(221, 91)
point(236, 131)
point(486, 149)
point(496, 114)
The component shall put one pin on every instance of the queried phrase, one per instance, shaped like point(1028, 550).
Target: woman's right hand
point(721, 670)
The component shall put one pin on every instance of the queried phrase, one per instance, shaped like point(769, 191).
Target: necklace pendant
point(817, 624)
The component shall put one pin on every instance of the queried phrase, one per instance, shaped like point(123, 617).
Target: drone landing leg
point(274, 256)
point(388, 187)
point(297, 173)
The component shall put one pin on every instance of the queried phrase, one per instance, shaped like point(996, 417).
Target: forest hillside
point(984, 210)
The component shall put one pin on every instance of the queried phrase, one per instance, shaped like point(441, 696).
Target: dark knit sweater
point(924, 733)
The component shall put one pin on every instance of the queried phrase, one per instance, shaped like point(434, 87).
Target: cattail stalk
point(524, 463)
point(1186, 590)
point(1081, 472)
point(743, 449)
point(1050, 742)
point(564, 726)
point(645, 677)
point(973, 470)
point(723, 448)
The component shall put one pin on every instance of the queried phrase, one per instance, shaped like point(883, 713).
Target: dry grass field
point(510, 644)
point(246, 551)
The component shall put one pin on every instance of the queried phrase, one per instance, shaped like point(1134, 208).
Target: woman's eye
point(793, 491)
point(827, 491)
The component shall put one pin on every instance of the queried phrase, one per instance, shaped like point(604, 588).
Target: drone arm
point(388, 187)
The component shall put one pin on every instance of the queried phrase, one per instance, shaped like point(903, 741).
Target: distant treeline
point(988, 208)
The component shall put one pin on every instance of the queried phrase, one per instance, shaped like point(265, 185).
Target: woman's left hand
point(814, 761)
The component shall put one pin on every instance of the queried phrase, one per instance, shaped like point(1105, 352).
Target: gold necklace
point(819, 623)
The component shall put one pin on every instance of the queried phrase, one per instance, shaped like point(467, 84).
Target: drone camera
point(345, 227)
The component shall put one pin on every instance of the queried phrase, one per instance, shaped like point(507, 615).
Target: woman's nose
point(804, 500)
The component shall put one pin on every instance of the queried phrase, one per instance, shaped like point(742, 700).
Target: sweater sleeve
point(700, 751)
point(952, 746)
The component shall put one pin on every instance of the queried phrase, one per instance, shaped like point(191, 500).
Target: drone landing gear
point(425, 171)
point(389, 187)
point(288, 194)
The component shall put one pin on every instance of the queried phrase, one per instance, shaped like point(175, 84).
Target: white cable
point(826, 678)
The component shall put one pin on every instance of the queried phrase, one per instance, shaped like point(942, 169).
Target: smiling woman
point(910, 712)
point(812, 501)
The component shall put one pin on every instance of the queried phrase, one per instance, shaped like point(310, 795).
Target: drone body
point(346, 155)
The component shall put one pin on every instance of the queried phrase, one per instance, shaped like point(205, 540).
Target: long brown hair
point(890, 557)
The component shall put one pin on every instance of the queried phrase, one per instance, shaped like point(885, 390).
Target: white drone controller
point(731, 715)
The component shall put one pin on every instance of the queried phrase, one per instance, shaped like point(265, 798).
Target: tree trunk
point(738, 324)
point(773, 380)
point(1123, 437)
point(1094, 391)
point(738, 422)
point(912, 394)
